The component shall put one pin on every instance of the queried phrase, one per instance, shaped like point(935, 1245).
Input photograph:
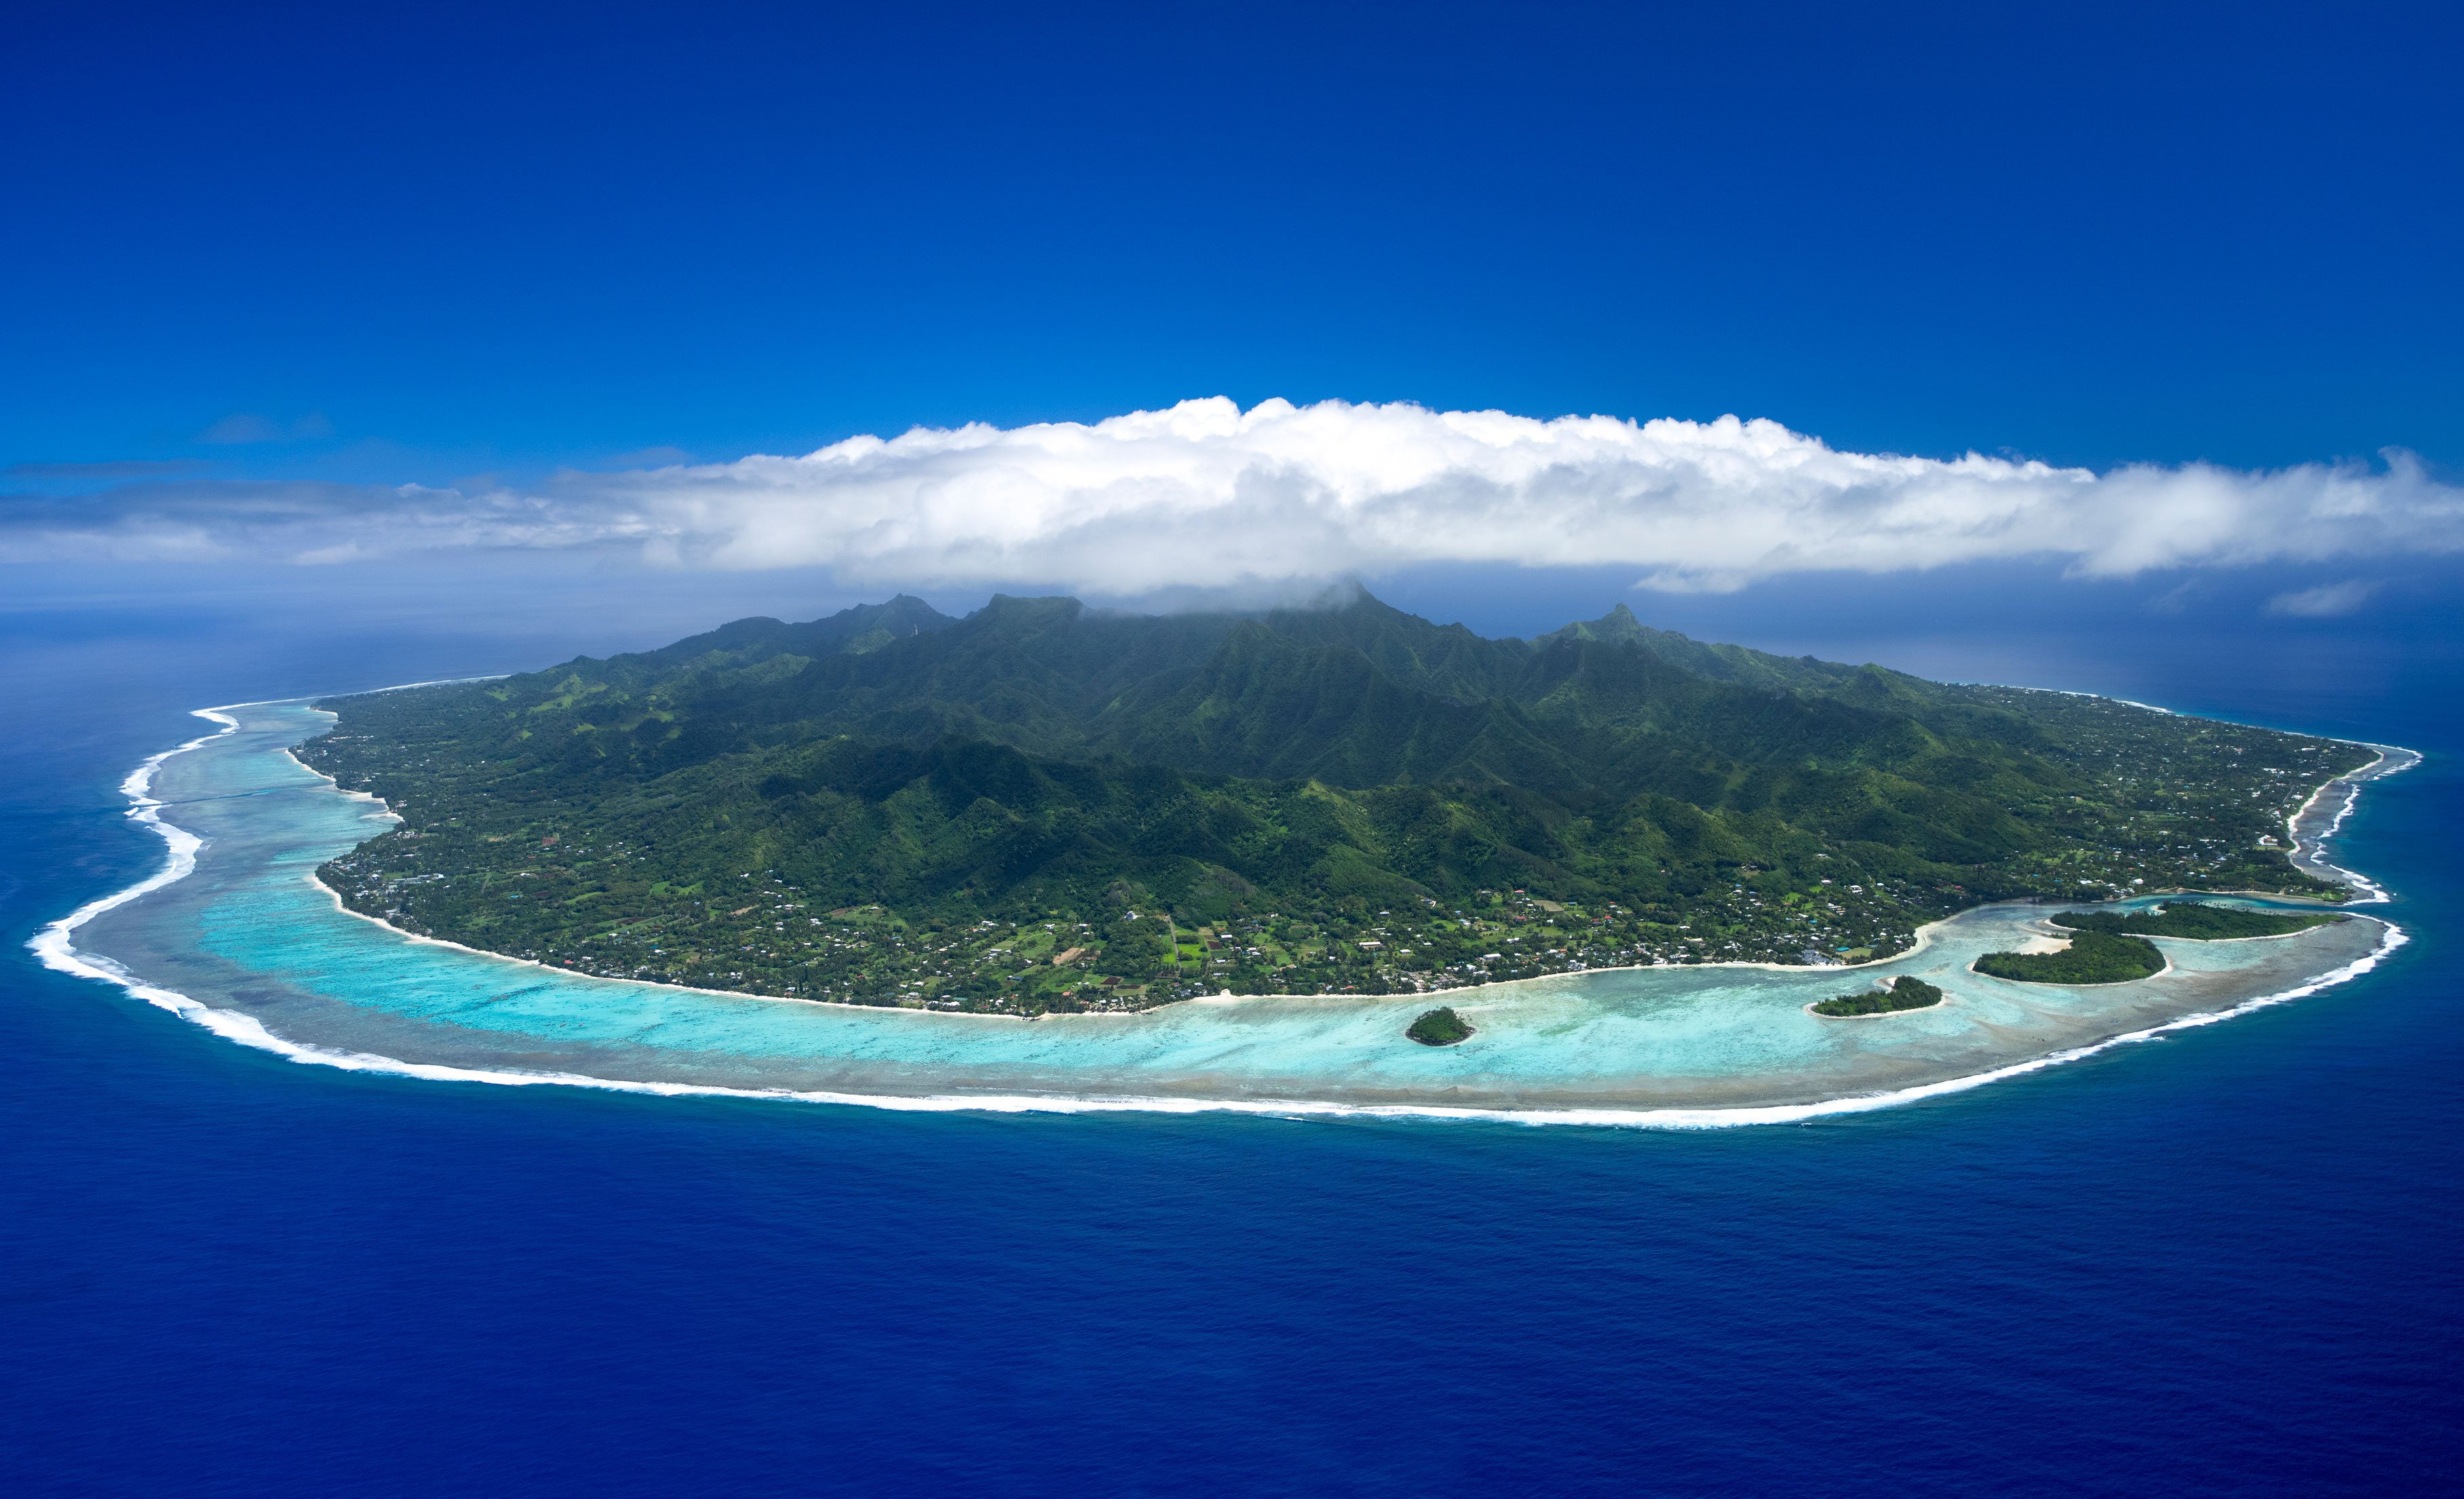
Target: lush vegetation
point(1438, 1028)
point(1040, 807)
point(2198, 920)
point(1906, 993)
point(2093, 956)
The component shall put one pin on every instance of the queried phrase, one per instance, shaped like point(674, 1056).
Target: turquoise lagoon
point(247, 942)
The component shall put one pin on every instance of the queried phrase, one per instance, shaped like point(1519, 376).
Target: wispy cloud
point(1206, 496)
point(2324, 601)
point(242, 427)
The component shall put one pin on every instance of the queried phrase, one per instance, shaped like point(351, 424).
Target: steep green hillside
point(1043, 805)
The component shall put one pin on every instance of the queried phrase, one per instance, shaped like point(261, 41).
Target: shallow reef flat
point(262, 952)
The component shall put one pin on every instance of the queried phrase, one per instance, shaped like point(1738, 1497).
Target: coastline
point(1923, 938)
point(2308, 847)
point(2307, 859)
point(55, 946)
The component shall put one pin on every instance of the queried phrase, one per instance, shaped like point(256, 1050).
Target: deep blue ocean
point(2225, 1263)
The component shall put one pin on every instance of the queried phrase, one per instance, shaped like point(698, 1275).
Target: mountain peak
point(1618, 625)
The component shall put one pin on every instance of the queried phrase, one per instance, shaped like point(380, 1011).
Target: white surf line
point(56, 946)
point(2073, 691)
point(53, 945)
point(2314, 852)
point(360, 691)
point(246, 1030)
point(2315, 855)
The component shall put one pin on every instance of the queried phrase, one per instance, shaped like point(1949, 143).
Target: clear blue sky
point(425, 242)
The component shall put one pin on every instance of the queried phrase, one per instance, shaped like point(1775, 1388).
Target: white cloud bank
point(1206, 496)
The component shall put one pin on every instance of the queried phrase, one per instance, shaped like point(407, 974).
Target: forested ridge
point(1044, 806)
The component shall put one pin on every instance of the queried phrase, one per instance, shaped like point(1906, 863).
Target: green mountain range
point(1045, 805)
